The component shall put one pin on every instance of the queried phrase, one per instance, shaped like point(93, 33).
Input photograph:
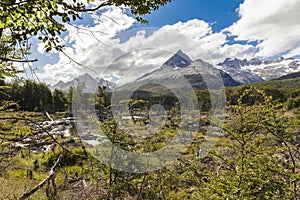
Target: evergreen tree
point(59, 100)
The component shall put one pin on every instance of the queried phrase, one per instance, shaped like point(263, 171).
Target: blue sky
point(212, 30)
point(220, 13)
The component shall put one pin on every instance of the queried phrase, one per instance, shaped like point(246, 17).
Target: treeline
point(29, 95)
point(289, 98)
point(32, 96)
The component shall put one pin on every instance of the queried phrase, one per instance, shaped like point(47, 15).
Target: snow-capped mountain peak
point(180, 65)
point(89, 82)
point(178, 60)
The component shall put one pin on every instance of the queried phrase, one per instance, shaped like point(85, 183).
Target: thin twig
point(71, 59)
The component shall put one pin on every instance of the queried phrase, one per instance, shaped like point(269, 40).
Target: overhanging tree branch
point(2, 59)
point(78, 9)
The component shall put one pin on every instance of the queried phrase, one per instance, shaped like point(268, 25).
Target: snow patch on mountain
point(90, 83)
point(197, 73)
point(255, 70)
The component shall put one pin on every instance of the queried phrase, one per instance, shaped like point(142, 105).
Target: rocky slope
point(198, 73)
point(255, 70)
point(89, 81)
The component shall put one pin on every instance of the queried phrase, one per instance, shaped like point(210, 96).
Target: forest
point(256, 157)
point(45, 154)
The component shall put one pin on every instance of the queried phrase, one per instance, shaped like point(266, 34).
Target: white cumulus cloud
point(100, 52)
point(274, 24)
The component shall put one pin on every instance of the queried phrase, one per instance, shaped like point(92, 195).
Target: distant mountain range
point(256, 70)
point(231, 71)
point(89, 81)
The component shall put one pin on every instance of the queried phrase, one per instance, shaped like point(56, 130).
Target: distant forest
point(29, 95)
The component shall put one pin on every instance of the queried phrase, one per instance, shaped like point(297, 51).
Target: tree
point(35, 96)
point(59, 100)
point(258, 156)
point(102, 102)
point(20, 20)
point(45, 100)
point(7, 69)
point(5, 103)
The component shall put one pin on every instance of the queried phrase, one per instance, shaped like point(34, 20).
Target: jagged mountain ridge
point(181, 65)
point(256, 70)
point(233, 71)
point(87, 79)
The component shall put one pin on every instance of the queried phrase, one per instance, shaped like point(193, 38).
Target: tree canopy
point(46, 19)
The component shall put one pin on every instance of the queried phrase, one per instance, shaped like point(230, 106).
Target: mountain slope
point(197, 73)
point(88, 80)
point(256, 70)
point(178, 60)
point(289, 76)
point(234, 68)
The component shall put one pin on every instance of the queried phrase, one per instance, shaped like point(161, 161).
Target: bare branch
point(90, 31)
point(16, 60)
point(106, 3)
point(47, 179)
point(71, 59)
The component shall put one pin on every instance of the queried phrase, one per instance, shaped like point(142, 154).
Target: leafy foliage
point(21, 20)
point(256, 159)
point(59, 100)
point(32, 96)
